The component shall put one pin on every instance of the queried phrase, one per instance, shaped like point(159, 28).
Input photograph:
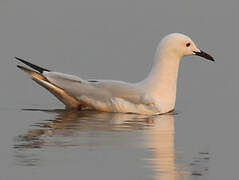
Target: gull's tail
point(34, 74)
point(60, 94)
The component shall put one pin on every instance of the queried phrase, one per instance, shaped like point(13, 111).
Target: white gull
point(156, 94)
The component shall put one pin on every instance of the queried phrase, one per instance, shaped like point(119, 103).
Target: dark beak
point(205, 55)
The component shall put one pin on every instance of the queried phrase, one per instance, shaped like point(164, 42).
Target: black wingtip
point(33, 66)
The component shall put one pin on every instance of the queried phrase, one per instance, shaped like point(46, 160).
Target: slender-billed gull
point(156, 94)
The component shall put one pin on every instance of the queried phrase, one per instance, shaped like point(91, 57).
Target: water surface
point(96, 145)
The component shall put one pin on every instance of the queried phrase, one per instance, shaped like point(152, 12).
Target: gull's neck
point(161, 82)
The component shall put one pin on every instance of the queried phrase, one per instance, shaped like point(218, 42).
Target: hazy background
point(116, 39)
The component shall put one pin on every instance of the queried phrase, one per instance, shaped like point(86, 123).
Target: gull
point(156, 94)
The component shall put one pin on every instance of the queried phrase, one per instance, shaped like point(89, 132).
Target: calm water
point(93, 145)
point(116, 39)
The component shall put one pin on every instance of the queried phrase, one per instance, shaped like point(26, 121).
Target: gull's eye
point(188, 44)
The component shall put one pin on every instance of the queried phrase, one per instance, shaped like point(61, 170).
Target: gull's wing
point(103, 95)
point(98, 90)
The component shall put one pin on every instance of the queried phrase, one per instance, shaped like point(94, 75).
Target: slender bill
point(205, 55)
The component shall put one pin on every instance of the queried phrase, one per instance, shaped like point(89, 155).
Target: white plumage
point(154, 95)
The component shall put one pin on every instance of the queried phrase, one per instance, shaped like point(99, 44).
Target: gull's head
point(180, 45)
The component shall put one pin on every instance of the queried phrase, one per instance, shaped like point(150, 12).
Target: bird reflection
point(75, 123)
point(68, 128)
point(160, 139)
